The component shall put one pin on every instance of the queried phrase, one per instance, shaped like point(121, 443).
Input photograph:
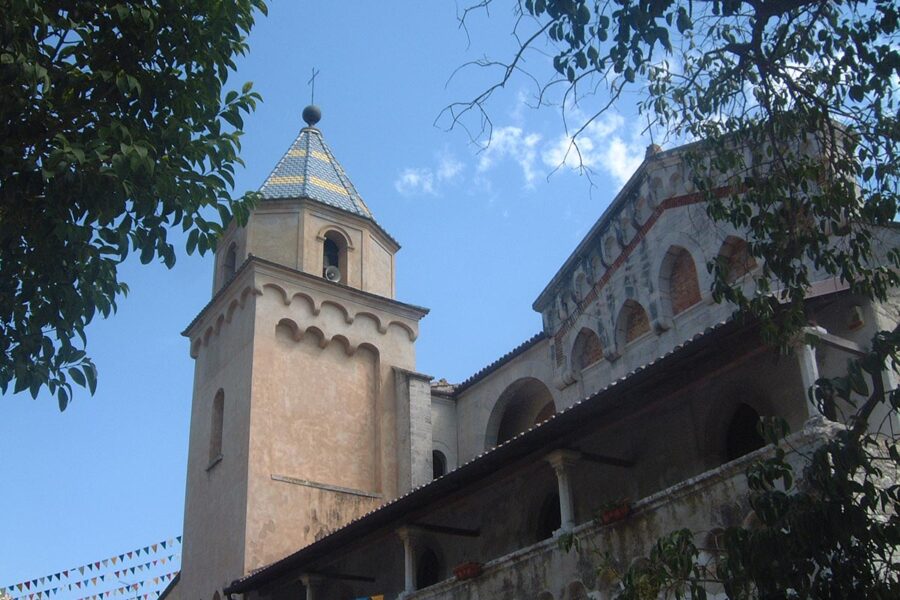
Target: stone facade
point(322, 465)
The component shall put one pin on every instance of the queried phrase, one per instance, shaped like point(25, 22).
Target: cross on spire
point(312, 84)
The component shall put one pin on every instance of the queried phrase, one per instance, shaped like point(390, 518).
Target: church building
point(323, 465)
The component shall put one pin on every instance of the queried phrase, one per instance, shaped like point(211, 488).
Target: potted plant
point(467, 570)
point(614, 510)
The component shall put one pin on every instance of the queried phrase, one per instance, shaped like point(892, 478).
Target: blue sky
point(482, 230)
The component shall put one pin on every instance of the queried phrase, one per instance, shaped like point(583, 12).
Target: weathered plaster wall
point(414, 429)
point(324, 409)
point(444, 429)
point(378, 277)
point(215, 504)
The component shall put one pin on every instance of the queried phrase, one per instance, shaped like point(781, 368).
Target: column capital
point(408, 533)
point(560, 459)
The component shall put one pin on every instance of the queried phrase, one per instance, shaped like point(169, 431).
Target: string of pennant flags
point(23, 588)
point(112, 569)
point(122, 590)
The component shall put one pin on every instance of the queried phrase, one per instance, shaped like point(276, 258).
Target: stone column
point(409, 560)
point(806, 358)
point(312, 583)
point(562, 462)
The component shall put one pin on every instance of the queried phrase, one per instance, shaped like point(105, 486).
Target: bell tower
point(304, 383)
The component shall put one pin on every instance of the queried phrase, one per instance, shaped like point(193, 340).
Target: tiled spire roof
point(309, 170)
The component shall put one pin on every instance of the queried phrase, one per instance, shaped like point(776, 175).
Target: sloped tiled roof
point(309, 170)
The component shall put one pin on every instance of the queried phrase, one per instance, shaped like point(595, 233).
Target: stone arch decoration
point(516, 409)
point(735, 259)
point(633, 322)
point(679, 286)
point(586, 350)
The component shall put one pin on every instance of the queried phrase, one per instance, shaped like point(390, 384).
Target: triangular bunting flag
point(179, 539)
point(163, 561)
point(103, 578)
point(41, 580)
point(93, 581)
point(78, 584)
point(146, 549)
point(105, 561)
point(154, 546)
point(138, 552)
point(97, 565)
point(163, 544)
point(81, 570)
point(155, 561)
point(66, 573)
point(28, 585)
point(114, 560)
point(129, 554)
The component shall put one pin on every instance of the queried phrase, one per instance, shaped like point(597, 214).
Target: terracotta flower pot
point(468, 570)
point(616, 513)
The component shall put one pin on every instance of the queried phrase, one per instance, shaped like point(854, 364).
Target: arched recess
point(334, 254)
point(516, 409)
point(229, 264)
point(735, 259)
point(429, 567)
point(586, 350)
point(679, 287)
point(633, 322)
point(216, 426)
point(742, 435)
point(549, 518)
point(438, 464)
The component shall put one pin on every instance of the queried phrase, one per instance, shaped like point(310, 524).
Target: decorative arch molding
point(382, 325)
point(331, 227)
point(225, 315)
point(298, 333)
point(340, 308)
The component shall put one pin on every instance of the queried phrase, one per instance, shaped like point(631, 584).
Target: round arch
point(735, 259)
point(586, 350)
point(719, 417)
point(633, 322)
point(516, 409)
point(679, 286)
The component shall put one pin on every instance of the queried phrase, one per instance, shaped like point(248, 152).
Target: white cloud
point(427, 180)
point(513, 143)
point(412, 181)
point(602, 144)
point(448, 168)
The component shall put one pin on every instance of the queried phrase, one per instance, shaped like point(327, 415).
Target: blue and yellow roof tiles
point(309, 170)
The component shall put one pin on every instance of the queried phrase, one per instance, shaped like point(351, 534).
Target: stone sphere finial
point(312, 114)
